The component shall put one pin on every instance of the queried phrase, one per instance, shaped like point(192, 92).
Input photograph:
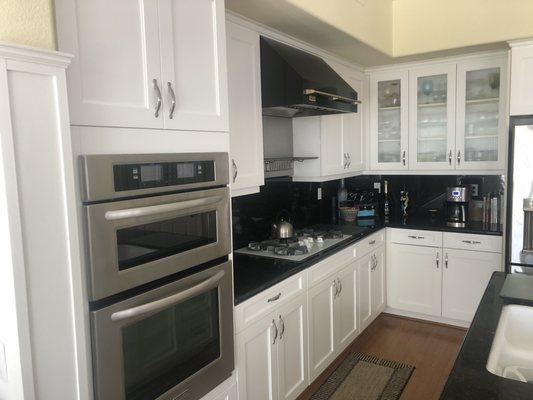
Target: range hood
point(298, 84)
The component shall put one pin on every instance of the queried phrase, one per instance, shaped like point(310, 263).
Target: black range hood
point(298, 84)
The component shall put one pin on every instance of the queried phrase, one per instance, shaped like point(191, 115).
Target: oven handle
point(160, 208)
point(168, 301)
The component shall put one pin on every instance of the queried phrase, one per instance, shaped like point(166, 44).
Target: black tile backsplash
point(253, 214)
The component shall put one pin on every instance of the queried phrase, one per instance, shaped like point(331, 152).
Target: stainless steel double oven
point(159, 279)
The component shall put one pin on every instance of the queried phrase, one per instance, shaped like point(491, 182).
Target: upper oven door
point(173, 342)
point(137, 241)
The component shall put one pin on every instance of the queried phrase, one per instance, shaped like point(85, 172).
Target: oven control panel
point(151, 175)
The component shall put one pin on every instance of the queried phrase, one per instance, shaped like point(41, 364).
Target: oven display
point(143, 176)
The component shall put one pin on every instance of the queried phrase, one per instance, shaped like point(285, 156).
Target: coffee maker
point(457, 198)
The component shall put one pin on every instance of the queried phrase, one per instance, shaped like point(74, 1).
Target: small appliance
point(457, 198)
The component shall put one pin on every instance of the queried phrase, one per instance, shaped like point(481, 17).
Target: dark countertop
point(469, 379)
point(253, 274)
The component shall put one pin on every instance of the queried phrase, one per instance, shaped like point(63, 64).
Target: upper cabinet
point(453, 117)
point(137, 65)
point(481, 114)
point(521, 78)
point(432, 117)
point(389, 120)
point(245, 120)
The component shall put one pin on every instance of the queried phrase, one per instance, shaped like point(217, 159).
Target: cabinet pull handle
point(345, 160)
point(372, 242)
point(471, 241)
point(158, 98)
point(415, 237)
point(235, 170)
point(459, 157)
point(172, 100)
point(446, 260)
point(340, 286)
point(274, 298)
point(450, 158)
point(437, 260)
point(275, 331)
point(403, 158)
point(349, 160)
point(282, 323)
point(336, 287)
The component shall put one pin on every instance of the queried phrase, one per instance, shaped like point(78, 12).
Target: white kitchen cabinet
point(481, 114)
point(378, 289)
point(322, 329)
point(193, 64)
point(414, 279)
point(272, 354)
point(257, 361)
point(521, 93)
point(464, 280)
point(292, 348)
point(136, 64)
point(370, 286)
point(332, 147)
point(389, 120)
point(333, 322)
point(245, 120)
point(432, 117)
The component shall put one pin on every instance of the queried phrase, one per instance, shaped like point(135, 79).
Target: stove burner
point(291, 250)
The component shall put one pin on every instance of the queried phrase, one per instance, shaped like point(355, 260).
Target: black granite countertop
point(253, 274)
point(469, 379)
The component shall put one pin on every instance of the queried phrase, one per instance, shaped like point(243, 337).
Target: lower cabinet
point(272, 354)
point(332, 318)
point(439, 281)
point(464, 279)
point(415, 279)
point(371, 284)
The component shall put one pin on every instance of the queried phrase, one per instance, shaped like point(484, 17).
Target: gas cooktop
point(306, 243)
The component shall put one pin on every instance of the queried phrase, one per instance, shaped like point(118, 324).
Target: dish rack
point(282, 166)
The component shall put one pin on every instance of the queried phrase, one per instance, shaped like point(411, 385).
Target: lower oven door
point(173, 342)
point(133, 242)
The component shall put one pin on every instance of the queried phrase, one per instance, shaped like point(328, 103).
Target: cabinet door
point(364, 289)
point(346, 307)
point(522, 79)
point(332, 154)
point(292, 348)
point(481, 109)
point(378, 281)
point(352, 126)
point(432, 117)
point(117, 58)
point(389, 120)
point(321, 326)
point(193, 64)
point(245, 121)
point(257, 362)
point(415, 277)
point(465, 277)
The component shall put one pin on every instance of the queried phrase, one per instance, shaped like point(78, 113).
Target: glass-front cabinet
point(389, 120)
point(481, 105)
point(432, 117)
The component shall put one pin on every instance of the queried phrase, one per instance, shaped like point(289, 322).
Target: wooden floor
point(430, 348)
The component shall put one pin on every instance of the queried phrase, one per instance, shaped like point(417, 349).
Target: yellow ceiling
point(376, 32)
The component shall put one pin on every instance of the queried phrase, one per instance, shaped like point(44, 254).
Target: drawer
point(369, 243)
point(416, 237)
point(265, 302)
point(329, 266)
point(464, 241)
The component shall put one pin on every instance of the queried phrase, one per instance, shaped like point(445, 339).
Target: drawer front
point(416, 237)
point(366, 245)
point(260, 305)
point(464, 241)
point(329, 266)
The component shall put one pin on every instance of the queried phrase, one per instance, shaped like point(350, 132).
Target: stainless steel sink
point(511, 355)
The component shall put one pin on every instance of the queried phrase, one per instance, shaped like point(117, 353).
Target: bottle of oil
point(386, 200)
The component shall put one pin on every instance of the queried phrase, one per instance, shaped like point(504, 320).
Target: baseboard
point(428, 318)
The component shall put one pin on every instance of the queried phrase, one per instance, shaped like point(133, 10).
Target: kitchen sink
point(511, 355)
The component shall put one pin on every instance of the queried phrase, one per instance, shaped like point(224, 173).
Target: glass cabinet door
point(480, 110)
point(432, 123)
point(389, 121)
